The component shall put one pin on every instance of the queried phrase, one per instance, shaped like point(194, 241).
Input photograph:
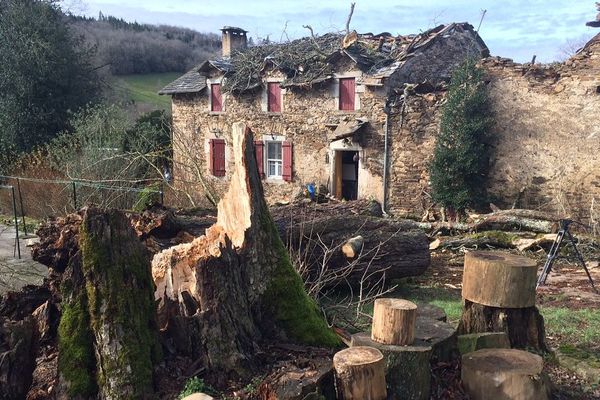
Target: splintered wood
point(359, 374)
point(394, 321)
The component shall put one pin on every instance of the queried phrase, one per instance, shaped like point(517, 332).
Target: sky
point(516, 29)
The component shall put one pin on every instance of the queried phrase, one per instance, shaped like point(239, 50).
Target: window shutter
point(347, 93)
point(217, 157)
point(287, 161)
point(216, 103)
point(259, 149)
point(274, 97)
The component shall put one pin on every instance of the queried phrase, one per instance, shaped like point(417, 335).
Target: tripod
point(553, 254)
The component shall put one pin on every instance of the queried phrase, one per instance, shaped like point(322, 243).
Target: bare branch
point(349, 17)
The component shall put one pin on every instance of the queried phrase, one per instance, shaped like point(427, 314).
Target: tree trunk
point(108, 337)
point(235, 286)
point(394, 321)
point(359, 374)
point(395, 248)
point(504, 374)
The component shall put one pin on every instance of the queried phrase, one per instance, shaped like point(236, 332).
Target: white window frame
point(267, 159)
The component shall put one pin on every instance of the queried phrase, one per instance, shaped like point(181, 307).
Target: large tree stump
point(227, 290)
point(359, 374)
point(394, 321)
point(504, 374)
point(407, 368)
point(499, 293)
point(107, 336)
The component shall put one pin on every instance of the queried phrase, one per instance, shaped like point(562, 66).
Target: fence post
point(22, 209)
point(162, 194)
point(74, 195)
point(14, 201)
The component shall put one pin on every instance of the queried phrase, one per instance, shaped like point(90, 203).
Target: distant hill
point(133, 48)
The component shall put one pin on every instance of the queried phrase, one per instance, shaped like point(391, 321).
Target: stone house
point(330, 110)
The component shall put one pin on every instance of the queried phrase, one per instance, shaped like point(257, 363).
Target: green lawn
point(143, 89)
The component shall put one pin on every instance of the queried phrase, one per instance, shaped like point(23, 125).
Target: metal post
point(22, 209)
point(162, 194)
point(14, 201)
point(74, 195)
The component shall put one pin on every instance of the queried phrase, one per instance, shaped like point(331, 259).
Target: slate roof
point(309, 60)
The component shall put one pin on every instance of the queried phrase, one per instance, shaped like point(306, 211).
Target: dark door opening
point(346, 174)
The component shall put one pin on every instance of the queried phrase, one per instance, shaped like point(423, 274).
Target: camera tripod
point(553, 254)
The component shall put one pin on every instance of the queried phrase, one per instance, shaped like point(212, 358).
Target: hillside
point(132, 48)
point(142, 90)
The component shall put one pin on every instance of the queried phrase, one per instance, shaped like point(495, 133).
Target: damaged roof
point(310, 60)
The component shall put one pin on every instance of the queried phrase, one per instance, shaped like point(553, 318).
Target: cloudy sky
point(516, 29)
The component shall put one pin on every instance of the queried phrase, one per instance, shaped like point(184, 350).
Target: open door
point(346, 174)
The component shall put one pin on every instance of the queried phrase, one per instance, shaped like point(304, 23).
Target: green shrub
point(196, 385)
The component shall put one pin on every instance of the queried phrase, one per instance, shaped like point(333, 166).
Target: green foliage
point(45, 74)
point(460, 164)
point(196, 385)
point(142, 89)
point(148, 197)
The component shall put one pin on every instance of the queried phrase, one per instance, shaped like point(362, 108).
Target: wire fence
point(42, 198)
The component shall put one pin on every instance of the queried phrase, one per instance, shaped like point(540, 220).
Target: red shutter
point(287, 161)
point(347, 94)
point(259, 148)
point(216, 101)
point(274, 97)
point(217, 157)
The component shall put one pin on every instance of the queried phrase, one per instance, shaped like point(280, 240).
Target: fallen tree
point(224, 292)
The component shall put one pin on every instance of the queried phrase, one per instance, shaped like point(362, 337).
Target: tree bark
point(359, 374)
point(394, 321)
point(108, 337)
point(235, 286)
point(504, 374)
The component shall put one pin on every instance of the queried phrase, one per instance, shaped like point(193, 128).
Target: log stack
point(499, 296)
point(409, 339)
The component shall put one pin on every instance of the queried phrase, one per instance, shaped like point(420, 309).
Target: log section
point(499, 279)
point(359, 374)
point(394, 321)
point(504, 374)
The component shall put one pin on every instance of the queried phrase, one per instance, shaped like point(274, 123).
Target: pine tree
point(460, 165)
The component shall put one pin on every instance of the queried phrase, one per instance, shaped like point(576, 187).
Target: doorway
point(346, 174)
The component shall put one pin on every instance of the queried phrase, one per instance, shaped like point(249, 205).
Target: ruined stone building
point(358, 114)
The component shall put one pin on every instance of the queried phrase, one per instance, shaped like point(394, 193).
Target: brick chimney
point(233, 39)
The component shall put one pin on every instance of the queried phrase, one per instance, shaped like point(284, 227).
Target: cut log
point(394, 248)
point(359, 374)
point(353, 247)
point(499, 279)
point(504, 374)
point(394, 321)
point(486, 340)
point(524, 326)
point(235, 286)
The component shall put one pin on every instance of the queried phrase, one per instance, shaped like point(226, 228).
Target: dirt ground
point(575, 374)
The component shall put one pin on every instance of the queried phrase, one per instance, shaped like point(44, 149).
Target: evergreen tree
point(45, 74)
point(460, 165)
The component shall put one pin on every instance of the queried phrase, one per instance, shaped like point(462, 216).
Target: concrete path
point(16, 273)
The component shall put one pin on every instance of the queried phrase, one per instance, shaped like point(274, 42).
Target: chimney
point(233, 39)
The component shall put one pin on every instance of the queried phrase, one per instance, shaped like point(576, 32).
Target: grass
point(143, 88)
point(577, 331)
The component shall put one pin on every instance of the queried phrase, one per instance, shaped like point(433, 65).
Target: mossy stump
point(108, 336)
point(235, 286)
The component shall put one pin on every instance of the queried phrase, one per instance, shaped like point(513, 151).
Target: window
point(347, 94)
point(216, 100)
point(217, 157)
point(274, 160)
point(274, 97)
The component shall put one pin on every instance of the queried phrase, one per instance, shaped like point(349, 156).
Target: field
point(142, 90)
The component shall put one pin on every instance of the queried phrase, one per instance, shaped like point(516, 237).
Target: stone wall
point(307, 118)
